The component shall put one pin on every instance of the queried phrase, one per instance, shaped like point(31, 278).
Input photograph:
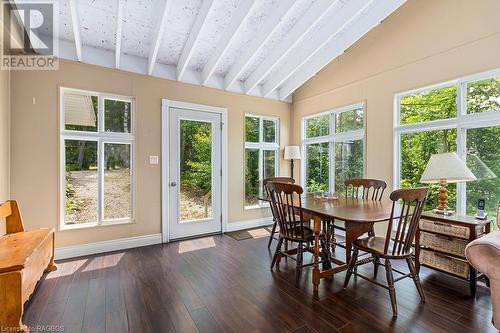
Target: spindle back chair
point(294, 226)
point(287, 180)
point(407, 208)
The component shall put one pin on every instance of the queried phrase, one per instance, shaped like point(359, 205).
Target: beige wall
point(422, 43)
point(4, 139)
point(34, 176)
point(4, 133)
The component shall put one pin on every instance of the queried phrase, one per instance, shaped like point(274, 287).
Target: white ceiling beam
point(315, 13)
point(337, 22)
point(135, 64)
point(194, 36)
point(378, 12)
point(271, 25)
point(119, 28)
point(159, 28)
point(76, 29)
point(228, 36)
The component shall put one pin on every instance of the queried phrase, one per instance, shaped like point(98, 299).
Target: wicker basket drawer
point(445, 263)
point(443, 243)
point(449, 229)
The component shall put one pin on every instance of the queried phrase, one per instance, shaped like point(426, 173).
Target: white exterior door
point(194, 176)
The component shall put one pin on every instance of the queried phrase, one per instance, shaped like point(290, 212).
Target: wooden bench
point(24, 257)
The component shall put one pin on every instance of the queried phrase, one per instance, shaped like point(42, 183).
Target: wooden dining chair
point(286, 180)
point(372, 189)
point(293, 225)
point(409, 203)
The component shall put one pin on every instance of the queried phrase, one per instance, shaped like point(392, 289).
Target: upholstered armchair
point(484, 255)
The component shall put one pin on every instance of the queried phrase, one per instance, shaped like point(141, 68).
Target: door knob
point(173, 184)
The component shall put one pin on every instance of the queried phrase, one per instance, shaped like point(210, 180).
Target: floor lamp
point(292, 153)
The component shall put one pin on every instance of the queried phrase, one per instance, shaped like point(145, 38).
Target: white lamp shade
point(446, 166)
point(292, 153)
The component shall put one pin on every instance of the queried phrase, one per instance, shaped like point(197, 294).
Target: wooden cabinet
point(440, 244)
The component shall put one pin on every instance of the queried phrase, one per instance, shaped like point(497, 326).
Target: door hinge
point(221, 172)
point(221, 125)
point(221, 218)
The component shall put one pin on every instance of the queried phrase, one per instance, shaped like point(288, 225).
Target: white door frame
point(166, 104)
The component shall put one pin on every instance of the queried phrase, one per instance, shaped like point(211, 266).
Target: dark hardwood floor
point(218, 284)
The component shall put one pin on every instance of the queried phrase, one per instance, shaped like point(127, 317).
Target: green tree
point(196, 157)
point(482, 143)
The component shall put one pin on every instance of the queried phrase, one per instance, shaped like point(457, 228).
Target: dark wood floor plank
point(74, 310)
point(36, 305)
point(95, 307)
point(53, 312)
point(205, 322)
point(170, 262)
point(218, 284)
point(160, 282)
point(133, 294)
point(304, 329)
point(286, 308)
point(116, 311)
point(236, 310)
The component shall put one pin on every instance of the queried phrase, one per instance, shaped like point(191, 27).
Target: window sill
point(95, 224)
point(256, 207)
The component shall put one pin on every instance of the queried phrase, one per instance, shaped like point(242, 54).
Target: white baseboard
point(131, 242)
point(248, 224)
point(106, 246)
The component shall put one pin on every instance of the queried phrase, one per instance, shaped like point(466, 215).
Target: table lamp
point(292, 153)
point(444, 169)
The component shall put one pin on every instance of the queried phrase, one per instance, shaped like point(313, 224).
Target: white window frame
point(331, 139)
point(261, 146)
point(101, 137)
point(461, 123)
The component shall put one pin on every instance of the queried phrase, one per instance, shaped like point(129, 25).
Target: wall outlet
point(153, 159)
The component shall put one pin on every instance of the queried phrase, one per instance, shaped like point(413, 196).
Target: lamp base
point(445, 212)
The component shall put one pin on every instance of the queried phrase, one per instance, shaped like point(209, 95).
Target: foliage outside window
point(195, 170)
point(261, 155)
point(461, 116)
point(333, 145)
point(96, 166)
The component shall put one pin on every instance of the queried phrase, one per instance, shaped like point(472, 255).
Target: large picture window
point(333, 146)
point(261, 155)
point(461, 116)
point(96, 159)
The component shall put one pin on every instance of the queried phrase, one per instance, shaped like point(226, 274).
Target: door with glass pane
point(195, 174)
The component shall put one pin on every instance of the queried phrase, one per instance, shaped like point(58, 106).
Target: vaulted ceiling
point(264, 48)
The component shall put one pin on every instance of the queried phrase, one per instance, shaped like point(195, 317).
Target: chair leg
point(376, 263)
point(333, 241)
point(352, 264)
point(328, 235)
point(277, 252)
point(416, 279)
point(272, 234)
point(325, 253)
point(299, 264)
point(286, 250)
point(390, 284)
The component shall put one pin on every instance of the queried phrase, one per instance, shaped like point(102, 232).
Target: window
point(333, 146)
point(461, 116)
point(261, 155)
point(96, 159)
